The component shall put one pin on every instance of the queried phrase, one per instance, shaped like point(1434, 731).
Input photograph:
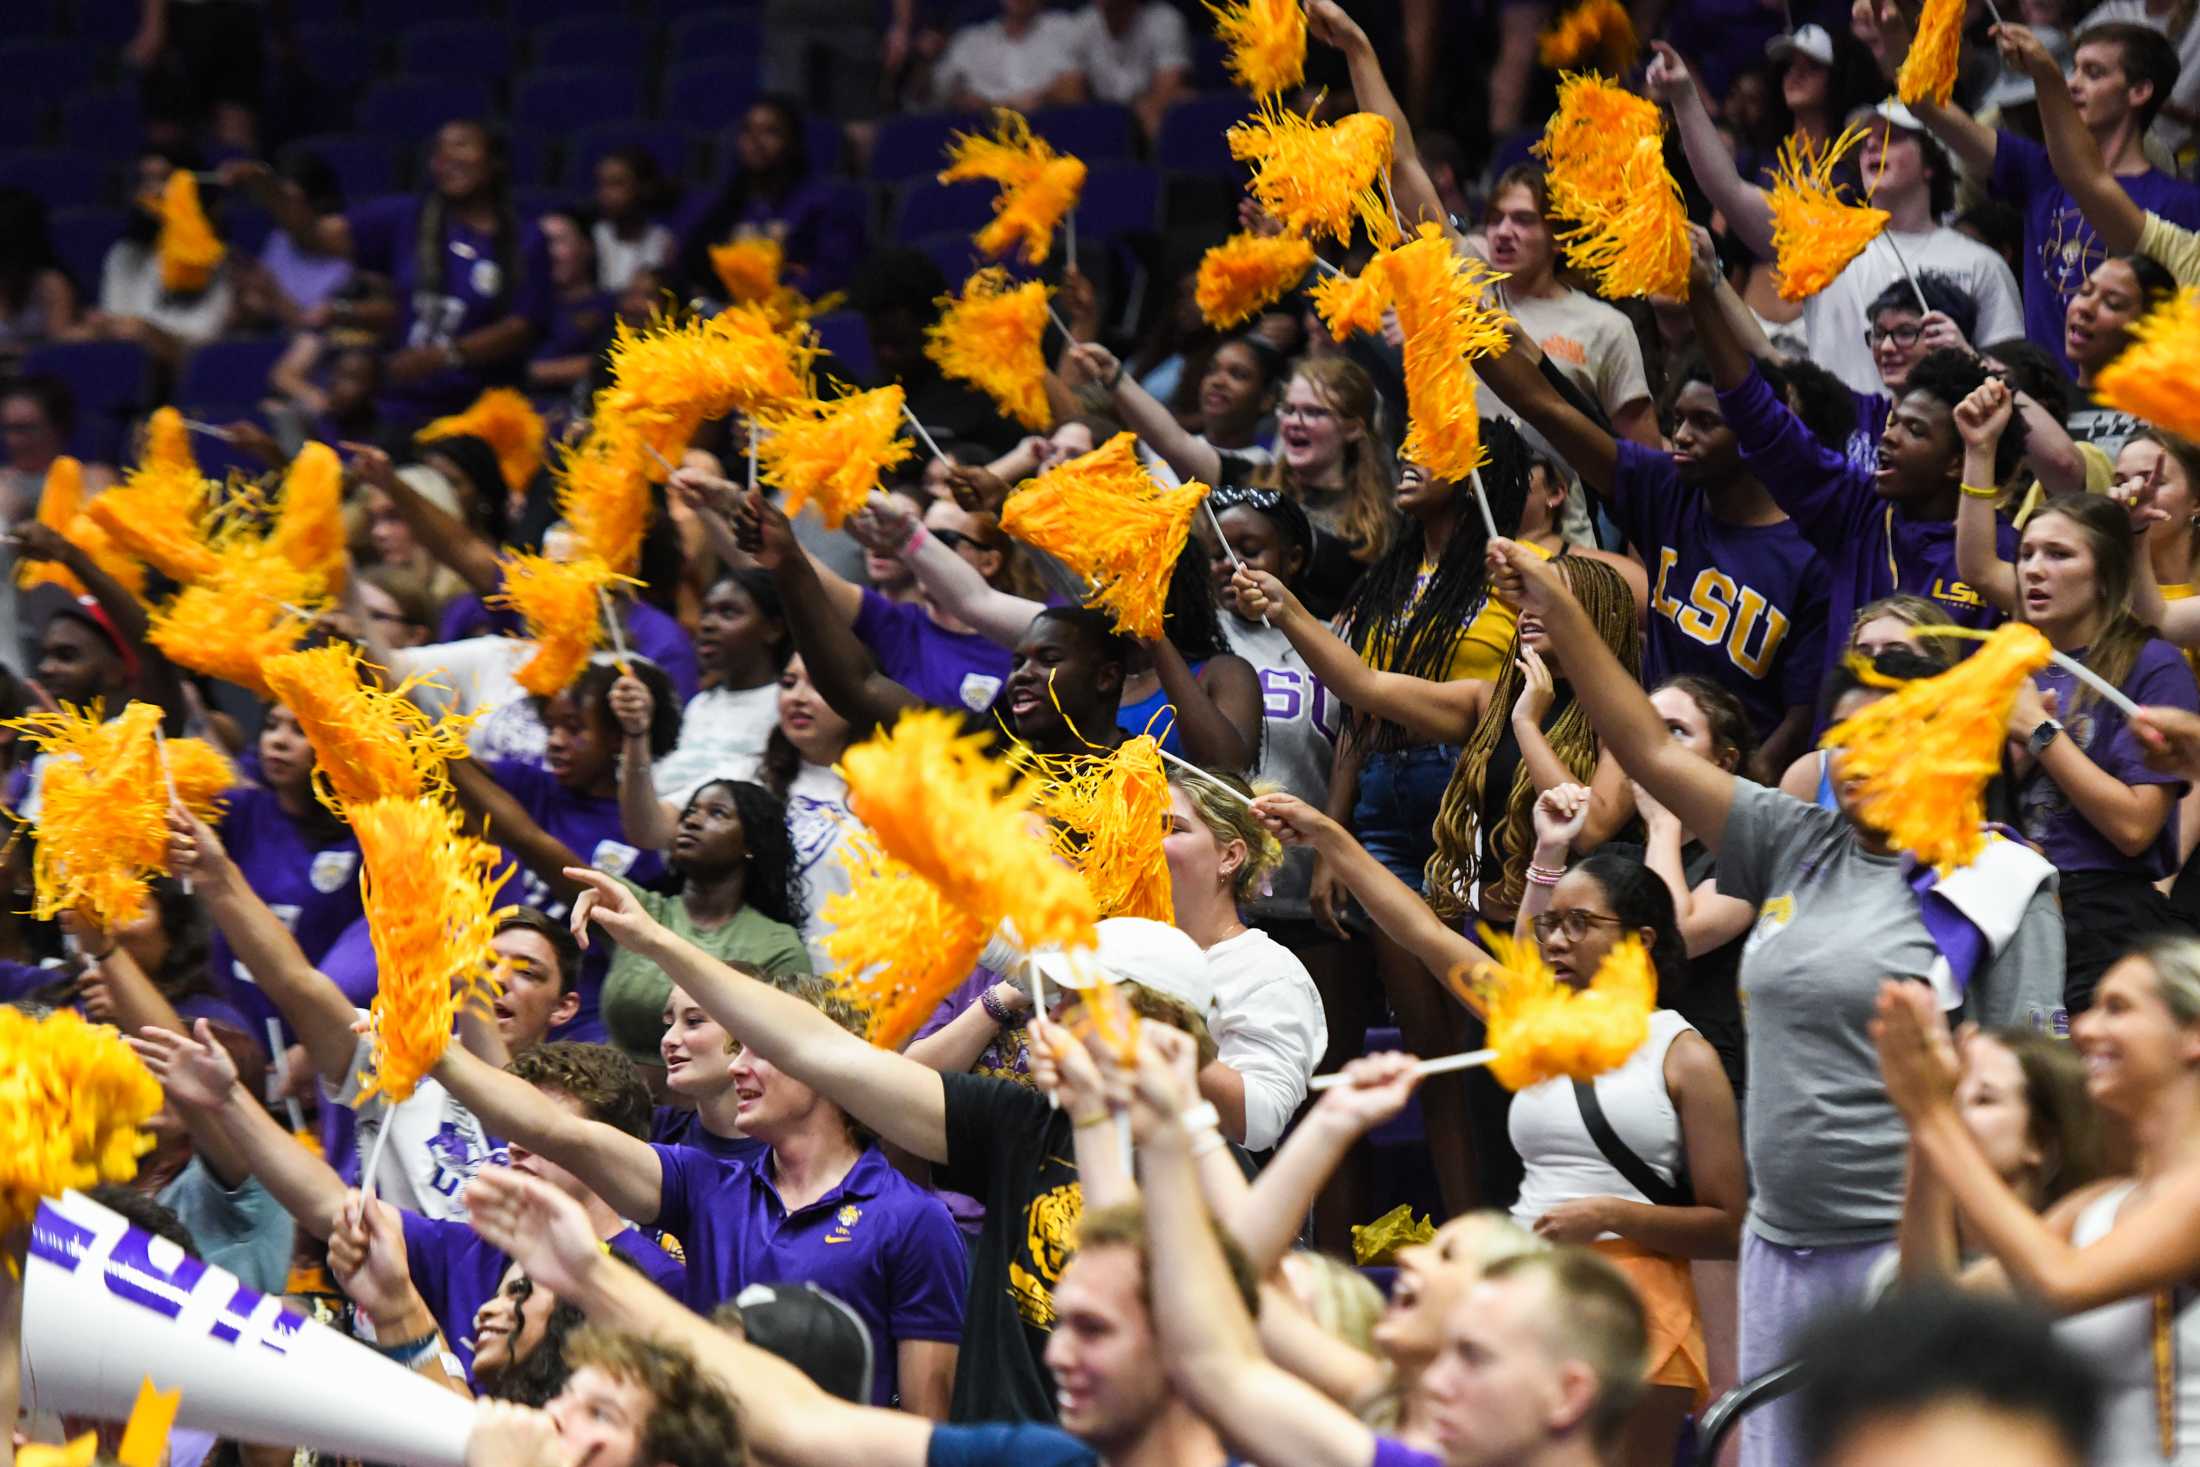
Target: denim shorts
point(1394, 815)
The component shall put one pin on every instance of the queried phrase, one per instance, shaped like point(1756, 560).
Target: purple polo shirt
point(456, 1272)
point(1870, 547)
point(672, 1126)
point(877, 1241)
point(1742, 605)
point(2160, 676)
point(307, 871)
point(947, 669)
point(590, 827)
point(650, 632)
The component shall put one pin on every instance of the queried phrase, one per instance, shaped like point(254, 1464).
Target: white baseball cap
point(1804, 40)
point(1153, 955)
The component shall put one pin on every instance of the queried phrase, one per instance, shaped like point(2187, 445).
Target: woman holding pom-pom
point(1837, 912)
point(2084, 793)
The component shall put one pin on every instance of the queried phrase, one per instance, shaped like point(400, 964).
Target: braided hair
point(1463, 850)
point(1383, 619)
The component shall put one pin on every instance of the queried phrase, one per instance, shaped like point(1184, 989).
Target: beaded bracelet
point(1545, 875)
point(1000, 1013)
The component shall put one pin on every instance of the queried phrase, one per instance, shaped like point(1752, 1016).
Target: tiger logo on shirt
point(1050, 1228)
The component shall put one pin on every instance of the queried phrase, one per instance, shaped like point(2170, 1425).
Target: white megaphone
point(105, 1305)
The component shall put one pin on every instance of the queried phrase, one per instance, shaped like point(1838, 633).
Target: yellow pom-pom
point(964, 823)
point(1543, 1029)
point(1443, 303)
point(168, 441)
point(1248, 272)
point(1378, 1242)
point(1038, 185)
point(1814, 233)
point(1636, 243)
point(74, 1101)
point(1598, 32)
point(61, 508)
point(158, 513)
point(309, 518)
point(103, 807)
point(187, 248)
point(2154, 375)
point(897, 943)
point(832, 452)
point(748, 266)
point(1352, 303)
point(1936, 46)
point(1103, 515)
point(671, 377)
point(1319, 179)
point(991, 339)
point(1266, 40)
point(603, 493)
point(250, 605)
point(504, 419)
point(430, 898)
point(1110, 812)
point(369, 742)
point(1923, 754)
point(1589, 142)
point(561, 602)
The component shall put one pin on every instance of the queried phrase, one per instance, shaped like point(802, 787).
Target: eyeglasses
point(1902, 336)
point(956, 539)
point(1311, 412)
point(1575, 924)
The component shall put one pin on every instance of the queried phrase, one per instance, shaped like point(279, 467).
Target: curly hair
point(1464, 851)
point(602, 1079)
point(1950, 376)
point(774, 885)
point(691, 1421)
point(591, 692)
point(534, 1379)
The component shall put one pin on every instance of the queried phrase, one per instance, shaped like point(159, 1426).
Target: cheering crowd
point(1907, 1147)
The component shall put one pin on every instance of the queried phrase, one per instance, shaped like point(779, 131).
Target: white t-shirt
point(129, 285)
point(1119, 68)
point(436, 1148)
point(1563, 1161)
point(722, 736)
point(1835, 316)
point(1595, 346)
point(984, 59)
point(1268, 1026)
point(619, 260)
point(818, 824)
point(1298, 742)
point(477, 675)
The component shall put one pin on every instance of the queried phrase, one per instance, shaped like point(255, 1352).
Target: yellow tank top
point(1488, 641)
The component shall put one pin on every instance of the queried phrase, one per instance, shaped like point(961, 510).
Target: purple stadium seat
point(23, 116)
point(339, 55)
point(915, 146)
point(51, 67)
point(719, 33)
point(109, 379)
point(1191, 138)
point(940, 208)
point(412, 108)
point(81, 237)
point(673, 10)
point(93, 22)
point(468, 47)
point(64, 177)
point(390, 16)
point(364, 162)
point(958, 257)
point(712, 95)
point(533, 156)
point(674, 146)
point(847, 338)
point(606, 41)
point(825, 142)
point(1099, 133)
point(105, 120)
point(1119, 199)
point(231, 370)
point(560, 98)
point(547, 12)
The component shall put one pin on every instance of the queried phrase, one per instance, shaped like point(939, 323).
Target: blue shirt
point(1006, 1444)
point(1742, 605)
point(876, 1241)
point(456, 1272)
point(2060, 248)
point(1871, 547)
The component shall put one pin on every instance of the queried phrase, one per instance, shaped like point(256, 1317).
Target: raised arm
point(2071, 146)
point(952, 582)
point(785, 1419)
point(1416, 194)
point(1627, 725)
point(1218, 709)
point(1265, 1222)
point(905, 1103)
point(649, 822)
point(1443, 712)
point(157, 680)
point(1972, 143)
point(1742, 202)
point(313, 1006)
point(720, 500)
point(1191, 456)
point(1520, 384)
point(841, 666)
point(619, 1168)
point(447, 537)
point(1981, 418)
point(493, 810)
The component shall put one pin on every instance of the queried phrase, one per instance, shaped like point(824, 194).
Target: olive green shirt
point(634, 992)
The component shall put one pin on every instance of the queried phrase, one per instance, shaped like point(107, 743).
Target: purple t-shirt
point(307, 871)
point(467, 291)
point(672, 1126)
point(1392, 1453)
point(947, 669)
point(2160, 676)
point(457, 1272)
point(1742, 605)
point(821, 239)
point(2060, 248)
point(878, 1242)
point(1869, 546)
point(650, 632)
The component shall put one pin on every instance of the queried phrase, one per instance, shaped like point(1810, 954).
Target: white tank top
point(2117, 1340)
point(1562, 1159)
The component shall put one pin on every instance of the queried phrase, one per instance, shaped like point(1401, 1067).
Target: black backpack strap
point(1638, 1172)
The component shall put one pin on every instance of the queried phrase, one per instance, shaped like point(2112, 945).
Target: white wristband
point(1208, 1141)
point(1201, 1117)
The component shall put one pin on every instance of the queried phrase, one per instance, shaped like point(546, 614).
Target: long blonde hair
point(1463, 850)
point(1367, 520)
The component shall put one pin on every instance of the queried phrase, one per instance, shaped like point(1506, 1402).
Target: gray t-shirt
point(1826, 1148)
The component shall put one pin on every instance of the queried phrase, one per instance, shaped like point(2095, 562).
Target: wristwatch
point(2042, 736)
